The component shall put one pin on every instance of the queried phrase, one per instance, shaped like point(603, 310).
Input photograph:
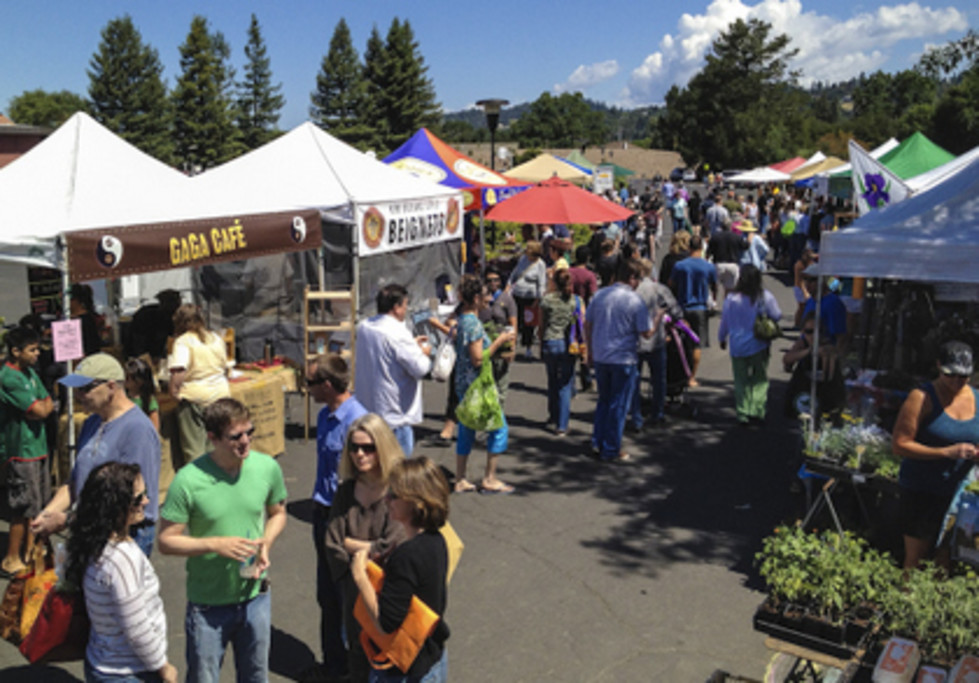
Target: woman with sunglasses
point(936, 435)
point(128, 636)
point(419, 502)
point(359, 519)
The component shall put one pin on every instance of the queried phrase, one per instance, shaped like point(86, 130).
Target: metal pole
point(482, 242)
point(66, 315)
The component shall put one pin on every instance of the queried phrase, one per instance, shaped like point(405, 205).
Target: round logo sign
point(452, 217)
point(373, 228)
point(420, 168)
point(108, 252)
point(477, 174)
point(298, 231)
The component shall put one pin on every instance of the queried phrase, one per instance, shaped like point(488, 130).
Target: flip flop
point(464, 487)
point(504, 490)
point(621, 458)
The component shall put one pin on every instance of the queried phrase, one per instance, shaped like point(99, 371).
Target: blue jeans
point(329, 599)
point(656, 361)
point(560, 382)
point(93, 675)
point(439, 673)
point(616, 384)
point(406, 438)
point(247, 626)
point(144, 537)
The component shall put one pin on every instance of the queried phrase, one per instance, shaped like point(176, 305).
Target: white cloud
point(829, 49)
point(586, 76)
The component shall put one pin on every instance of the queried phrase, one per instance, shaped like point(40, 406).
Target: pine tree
point(259, 102)
point(340, 99)
point(204, 130)
point(408, 96)
point(126, 89)
point(376, 80)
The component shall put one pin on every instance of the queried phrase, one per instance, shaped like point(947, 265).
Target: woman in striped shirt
point(128, 639)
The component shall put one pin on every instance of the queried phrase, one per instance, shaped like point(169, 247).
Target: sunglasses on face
point(809, 330)
point(315, 381)
point(237, 436)
point(363, 447)
point(91, 385)
point(139, 497)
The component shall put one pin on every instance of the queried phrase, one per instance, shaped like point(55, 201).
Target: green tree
point(42, 108)
point(892, 105)
point(563, 121)
point(955, 123)
point(375, 80)
point(339, 103)
point(259, 102)
point(743, 107)
point(126, 90)
point(204, 130)
point(406, 95)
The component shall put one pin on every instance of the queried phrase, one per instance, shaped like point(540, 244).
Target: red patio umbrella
point(557, 201)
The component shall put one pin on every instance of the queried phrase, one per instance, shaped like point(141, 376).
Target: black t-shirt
point(417, 567)
point(726, 247)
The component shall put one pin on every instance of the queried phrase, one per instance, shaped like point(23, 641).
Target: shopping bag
point(455, 546)
point(60, 632)
point(37, 585)
point(480, 408)
point(398, 649)
point(445, 360)
point(576, 334)
point(10, 609)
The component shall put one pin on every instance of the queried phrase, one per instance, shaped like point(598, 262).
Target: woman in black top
point(418, 498)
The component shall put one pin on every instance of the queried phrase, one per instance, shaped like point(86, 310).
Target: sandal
point(502, 489)
point(463, 486)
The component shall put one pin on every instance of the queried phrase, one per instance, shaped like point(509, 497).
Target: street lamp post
point(492, 108)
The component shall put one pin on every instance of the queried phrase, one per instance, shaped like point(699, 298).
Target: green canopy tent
point(576, 157)
point(914, 156)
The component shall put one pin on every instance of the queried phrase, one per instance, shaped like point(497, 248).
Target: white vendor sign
point(393, 226)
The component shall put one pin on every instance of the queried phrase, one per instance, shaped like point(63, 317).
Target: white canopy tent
point(931, 237)
point(757, 176)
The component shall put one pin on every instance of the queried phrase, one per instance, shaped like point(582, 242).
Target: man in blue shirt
point(614, 322)
point(694, 280)
point(117, 431)
point(328, 380)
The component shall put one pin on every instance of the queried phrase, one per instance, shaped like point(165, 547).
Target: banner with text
point(393, 226)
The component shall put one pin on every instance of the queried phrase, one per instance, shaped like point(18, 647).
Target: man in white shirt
point(390, 366)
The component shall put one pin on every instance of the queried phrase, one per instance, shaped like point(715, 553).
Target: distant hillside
point(623, 124)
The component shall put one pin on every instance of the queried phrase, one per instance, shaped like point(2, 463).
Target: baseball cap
point(955, 358)
point(97, 366)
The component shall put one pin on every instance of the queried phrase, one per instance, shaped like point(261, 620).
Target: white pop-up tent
point(405, 221)
point(932, 236)
point(762, 174)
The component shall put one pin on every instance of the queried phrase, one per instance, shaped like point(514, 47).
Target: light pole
point(492, 108)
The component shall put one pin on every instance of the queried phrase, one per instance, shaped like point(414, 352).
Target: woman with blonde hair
point(359, 518)
point(679, 250)
point(198, 376)
point(419, 502)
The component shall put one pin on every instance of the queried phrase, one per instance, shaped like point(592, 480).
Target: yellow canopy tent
point(546, 166)
point(809, 170)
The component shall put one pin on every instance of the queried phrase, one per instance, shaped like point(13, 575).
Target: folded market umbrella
point(557, 201)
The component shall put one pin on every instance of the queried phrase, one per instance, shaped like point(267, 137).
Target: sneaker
point(528, 354)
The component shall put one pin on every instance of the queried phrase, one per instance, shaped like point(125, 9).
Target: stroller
point(679, 351)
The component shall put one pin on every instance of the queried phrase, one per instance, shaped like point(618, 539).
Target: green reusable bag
point(480, 408)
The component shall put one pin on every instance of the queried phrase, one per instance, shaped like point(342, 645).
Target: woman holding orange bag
point(418, 499)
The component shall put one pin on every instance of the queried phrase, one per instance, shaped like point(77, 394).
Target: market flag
point(874, 185)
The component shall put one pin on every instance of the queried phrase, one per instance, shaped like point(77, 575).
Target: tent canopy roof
point(788, 165)
point(545, 166)
point(932, 236)
point(816, 168)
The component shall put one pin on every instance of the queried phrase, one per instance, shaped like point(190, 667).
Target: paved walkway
point(590, 571)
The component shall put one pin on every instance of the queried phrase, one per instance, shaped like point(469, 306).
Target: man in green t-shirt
point(214, 516)
point(24, 405)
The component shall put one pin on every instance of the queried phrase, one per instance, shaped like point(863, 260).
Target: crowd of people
point(610, 312)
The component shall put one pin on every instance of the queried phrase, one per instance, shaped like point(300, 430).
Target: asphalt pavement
point(589, 571)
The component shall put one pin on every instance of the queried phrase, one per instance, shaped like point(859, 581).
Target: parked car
point(689, 175)
point(677, 174)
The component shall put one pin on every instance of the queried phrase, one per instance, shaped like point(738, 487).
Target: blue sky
point(625, 53)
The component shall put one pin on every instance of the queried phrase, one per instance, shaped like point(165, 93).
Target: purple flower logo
point(875, 190)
